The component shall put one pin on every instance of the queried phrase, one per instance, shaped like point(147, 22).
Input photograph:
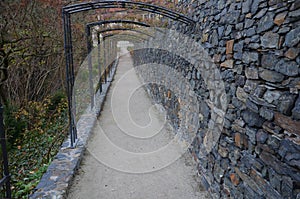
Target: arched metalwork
point(89, 47)
point(123, 35)
point(67, 11)
point(71, 9)
point(124, 29)
point(99, 23)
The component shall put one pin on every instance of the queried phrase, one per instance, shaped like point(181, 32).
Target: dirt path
point(124, 159)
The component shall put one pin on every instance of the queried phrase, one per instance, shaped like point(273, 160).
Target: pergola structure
point(94, 5)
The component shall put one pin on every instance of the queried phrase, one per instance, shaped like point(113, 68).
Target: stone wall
point(255, 45)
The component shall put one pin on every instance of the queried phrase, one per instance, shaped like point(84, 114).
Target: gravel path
point(125, 157)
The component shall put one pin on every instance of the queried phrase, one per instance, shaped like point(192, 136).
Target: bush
point(35, 134)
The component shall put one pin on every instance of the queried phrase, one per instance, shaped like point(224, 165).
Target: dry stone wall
point(255, 45)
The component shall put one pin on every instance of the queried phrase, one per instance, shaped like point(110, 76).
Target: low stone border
point(58, 177)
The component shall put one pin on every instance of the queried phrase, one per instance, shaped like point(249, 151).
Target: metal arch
point(89, 48)
point(128, 4)
point(123, 34)
point(124, 29)
point(99, 23)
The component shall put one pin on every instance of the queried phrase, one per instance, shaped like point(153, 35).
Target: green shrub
point(35, 134)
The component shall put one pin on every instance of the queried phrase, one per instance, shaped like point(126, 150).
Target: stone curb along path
point(56, 181)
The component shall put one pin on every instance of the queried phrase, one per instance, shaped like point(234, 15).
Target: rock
point(240, 80)
point(296, 109)
point(271, 96)
point(270, 76)
point(260, 13)
point(260, 91)
point(229, 46)
point(223, 151)
point(238, 139)
point(275, 179)
point(249, 57)
point(252, 119)
point(265, 23)
point(292, 53)
point(249, 23)
point(234, 179)
point(269, 192)
point(274, 142)
point(295, 5)
point(295, 13)
point(270, 40)
point(246, 6)
point(231, 17)
point(238, 55)
point(284, 30)
point(286, 187)
point(278, 166)
point(269, 61)
point(290, 152)
point(227, 75)
point(260, 101)
point(251, 73)
point(274, 2)
point(218, 173)
point(266, 113)
point(249, 181)
point(254, 46)
point(228, 30)
point(239, 26)
point(250, 32)
point(227, 64)
point(292, 38)
point(289, 68)
point(271, 128)
point(261, 136)
point(251, 133)
point(241, 94)
point(287, 123)
point(217, 58)
point(286, 103)
point(254, 6)
point(221, 31)
point(214, 38)
point(238, 47)
point(279, 19)
point(249, 15)
point(252, 106)
point(250, 85)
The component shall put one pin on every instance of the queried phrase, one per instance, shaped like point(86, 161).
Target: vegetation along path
point(110, 168)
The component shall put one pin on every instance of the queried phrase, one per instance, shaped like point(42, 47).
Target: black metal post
point(6, 179)
point(99, 63)
point(104, 60)
point(70, 76)
point(89, 48)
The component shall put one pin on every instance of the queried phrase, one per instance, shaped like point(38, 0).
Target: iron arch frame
point(80, 7)
point(120, 35)
point(89, 46)
point(67, 11)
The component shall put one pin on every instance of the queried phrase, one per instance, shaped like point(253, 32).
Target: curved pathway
point(106, 171)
